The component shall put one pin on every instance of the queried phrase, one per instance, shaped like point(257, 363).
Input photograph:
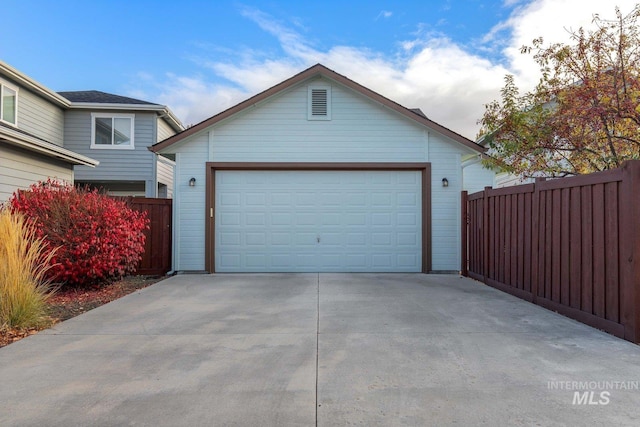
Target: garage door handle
point(318, 239)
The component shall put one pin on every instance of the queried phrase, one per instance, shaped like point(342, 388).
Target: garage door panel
point(378, 218)
point(356, 200)
point(281, 218)
point(305, 239)
point(331, 239)
point(306, 219)
point(407, 239)
point(358, 261)
point(282, 239)
point(229, 200)
point(359, 219)
point(383, 178)
point(229, 219)
point(407, 199)
point(281, 199)
point(318, 221)
point(356, 239)
point(331, 218)
point(382, 200)
point(255, 218)
point(408, 260)
point(408, 219)
point(230, 261)
point(382, 260)
point(232, 238)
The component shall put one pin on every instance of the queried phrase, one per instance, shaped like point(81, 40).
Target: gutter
point(162, 110)
point(33, 85)
point(46, 148)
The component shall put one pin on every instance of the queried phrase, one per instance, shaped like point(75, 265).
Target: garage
point(317, 174)
point(318, 219)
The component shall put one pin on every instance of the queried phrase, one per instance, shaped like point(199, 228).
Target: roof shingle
point(97, 97)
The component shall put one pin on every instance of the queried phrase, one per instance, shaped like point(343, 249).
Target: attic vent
point(319, 103)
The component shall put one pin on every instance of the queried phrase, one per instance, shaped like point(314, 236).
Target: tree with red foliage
point(583, 116)
point(100, 238)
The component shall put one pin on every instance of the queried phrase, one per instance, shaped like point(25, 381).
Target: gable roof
point(98, 97)
point(314, 71)
point(95, 99)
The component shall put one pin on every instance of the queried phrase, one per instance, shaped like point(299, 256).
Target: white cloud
point(448, 82)
point(384, 14)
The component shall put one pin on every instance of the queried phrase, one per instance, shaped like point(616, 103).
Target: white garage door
point(312, 221)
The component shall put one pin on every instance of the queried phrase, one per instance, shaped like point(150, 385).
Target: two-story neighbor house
point(86, 137)
point(32, 134)
point(117, 131)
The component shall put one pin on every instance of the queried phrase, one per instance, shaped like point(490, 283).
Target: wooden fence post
point(464, 223)
point(535, 239)
point(629, 254)
point(485, 232)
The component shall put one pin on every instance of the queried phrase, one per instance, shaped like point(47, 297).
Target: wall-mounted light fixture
point(192, 182)
point(445, 182)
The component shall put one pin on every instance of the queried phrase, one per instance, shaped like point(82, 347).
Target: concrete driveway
point(319, 349)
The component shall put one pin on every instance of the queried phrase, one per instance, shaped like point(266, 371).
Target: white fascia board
point(162, 110)
point(106, 106)
point(28, 82)
point(175, 123)
point(45, 148)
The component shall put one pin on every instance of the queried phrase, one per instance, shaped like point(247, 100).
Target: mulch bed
point(68, 303)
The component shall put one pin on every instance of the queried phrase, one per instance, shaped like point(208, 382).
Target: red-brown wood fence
point(571, 245)
point(156, 259)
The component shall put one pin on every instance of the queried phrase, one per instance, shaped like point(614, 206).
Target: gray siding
point(115, 165)
point(38, 116)
point(476, 177)
point(20, 168)
point(165, 175)
point(164, 130)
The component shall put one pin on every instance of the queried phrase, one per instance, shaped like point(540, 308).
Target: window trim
point(112, 116)
point(16, 89)
point(310, 90)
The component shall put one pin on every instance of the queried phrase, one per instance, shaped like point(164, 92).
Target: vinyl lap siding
point(164, 130)
point(359, 131)
point(20, 168)
point(476, 177)
point(445, 211)
point(189, 205)
point(115, 165)
point(165, 174)
point(38, 116)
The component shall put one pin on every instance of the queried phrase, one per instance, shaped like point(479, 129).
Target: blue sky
point(200, 57)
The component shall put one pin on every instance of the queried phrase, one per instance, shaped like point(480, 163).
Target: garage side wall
point(189, 205)
point(277, 130)
point(445, 212)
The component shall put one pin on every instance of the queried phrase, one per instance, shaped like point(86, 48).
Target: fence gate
point(156, 259)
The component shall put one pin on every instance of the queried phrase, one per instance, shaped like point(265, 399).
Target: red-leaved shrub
point(100, 238)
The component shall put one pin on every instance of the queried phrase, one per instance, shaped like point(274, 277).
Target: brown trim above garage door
point(212, 167)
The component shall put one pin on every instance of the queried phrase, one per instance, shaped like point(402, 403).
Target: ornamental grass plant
point(24, 289)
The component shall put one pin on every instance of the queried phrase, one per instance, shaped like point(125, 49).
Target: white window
point(112, 131)
point(8, 104)
point(319, 103)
